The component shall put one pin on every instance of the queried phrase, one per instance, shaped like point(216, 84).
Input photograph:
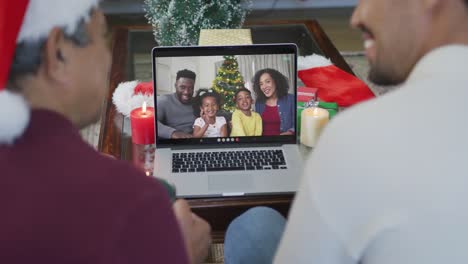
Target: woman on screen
point(274, 103)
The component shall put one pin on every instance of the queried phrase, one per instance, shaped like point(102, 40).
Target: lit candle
point(313, 120)
point(142, 121)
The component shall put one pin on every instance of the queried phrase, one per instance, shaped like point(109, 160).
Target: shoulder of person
point(165, 98)
point(199, 122)
point(221, 119)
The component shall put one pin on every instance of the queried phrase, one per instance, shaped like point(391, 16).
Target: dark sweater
point(63, 202)
point(173, 116)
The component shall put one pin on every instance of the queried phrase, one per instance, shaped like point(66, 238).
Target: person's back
point(396, 195)
point(62, 202)
point(386, 181)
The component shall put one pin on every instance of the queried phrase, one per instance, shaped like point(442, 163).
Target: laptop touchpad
point(232, 182)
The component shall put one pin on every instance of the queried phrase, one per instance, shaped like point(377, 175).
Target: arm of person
point(149, 233)
point(307, 237)
point(195, 230)
point(199, 128)
point(223, 132)
point(292, 110)
point(164, 131)
point(258, 125)
point(237, 127)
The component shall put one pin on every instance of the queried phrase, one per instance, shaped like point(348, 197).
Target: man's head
point(398, 33)
point(65, 69)
point(185, 81)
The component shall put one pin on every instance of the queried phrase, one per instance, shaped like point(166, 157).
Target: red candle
point(142, 122)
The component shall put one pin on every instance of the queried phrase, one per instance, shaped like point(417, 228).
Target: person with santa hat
point(388, 179)
point(60, 200)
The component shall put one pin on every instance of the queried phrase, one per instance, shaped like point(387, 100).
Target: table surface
point(131, 46)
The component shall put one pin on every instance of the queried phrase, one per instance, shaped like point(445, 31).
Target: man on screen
point(175, 113)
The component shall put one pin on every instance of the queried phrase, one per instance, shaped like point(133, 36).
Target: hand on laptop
point(180, 134)
point(196, 231)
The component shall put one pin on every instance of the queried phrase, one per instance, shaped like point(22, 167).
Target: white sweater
point(388, 181)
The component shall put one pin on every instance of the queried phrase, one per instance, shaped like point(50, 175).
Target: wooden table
point(130, 40)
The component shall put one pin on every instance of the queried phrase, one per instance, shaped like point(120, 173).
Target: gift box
point(306, 94)
point(331, 107)
point(221, 37)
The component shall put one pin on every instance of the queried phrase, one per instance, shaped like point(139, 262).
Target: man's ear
point(55, 56)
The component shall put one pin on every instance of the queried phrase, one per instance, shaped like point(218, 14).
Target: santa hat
point(333, 84)
point(130, 95)
point(29, 20)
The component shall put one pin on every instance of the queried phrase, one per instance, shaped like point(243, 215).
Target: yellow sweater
point(243, 125)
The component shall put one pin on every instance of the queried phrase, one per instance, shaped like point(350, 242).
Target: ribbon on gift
point(333, 84)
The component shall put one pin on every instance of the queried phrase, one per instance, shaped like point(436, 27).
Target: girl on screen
point(208, 124)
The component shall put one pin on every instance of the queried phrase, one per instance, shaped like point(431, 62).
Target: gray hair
point(28, 54)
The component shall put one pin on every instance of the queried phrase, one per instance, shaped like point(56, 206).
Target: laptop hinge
point(227, 146)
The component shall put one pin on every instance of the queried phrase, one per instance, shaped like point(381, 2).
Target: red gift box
point(306, 94)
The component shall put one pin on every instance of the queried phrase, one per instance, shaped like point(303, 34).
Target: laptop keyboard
point(228, 161)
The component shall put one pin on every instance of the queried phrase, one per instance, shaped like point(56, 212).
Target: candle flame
point(316, 111)
point(144, 108)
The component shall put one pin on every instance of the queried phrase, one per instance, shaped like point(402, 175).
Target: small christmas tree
point(178, 22)
point(227, 81)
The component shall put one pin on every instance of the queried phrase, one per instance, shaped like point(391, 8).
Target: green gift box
point(331, 107)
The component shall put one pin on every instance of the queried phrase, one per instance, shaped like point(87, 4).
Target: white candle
point(313, 120)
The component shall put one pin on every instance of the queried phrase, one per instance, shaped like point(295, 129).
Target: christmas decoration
point(178, 22)
point(227, 81)
point(131, 95)
point(333, 84)
point(222, 37)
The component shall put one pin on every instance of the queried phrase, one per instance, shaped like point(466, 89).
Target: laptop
point(216, 165)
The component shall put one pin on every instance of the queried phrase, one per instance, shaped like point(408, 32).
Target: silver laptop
point(219, 162)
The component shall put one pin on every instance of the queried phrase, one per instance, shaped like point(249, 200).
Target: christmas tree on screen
point(228, 80)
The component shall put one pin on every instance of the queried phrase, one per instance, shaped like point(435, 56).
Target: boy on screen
point(245, 122)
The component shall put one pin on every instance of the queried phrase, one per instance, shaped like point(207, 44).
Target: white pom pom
point(125, 100)
point(312, 61)
point(122, 95)
point(14, 116)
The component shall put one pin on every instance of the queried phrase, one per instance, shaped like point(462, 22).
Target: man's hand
point(180, 134)
point(205, 117)
point(289, 132)
point(196, 231)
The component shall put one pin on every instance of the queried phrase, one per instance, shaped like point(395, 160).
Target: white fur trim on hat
point(43, 15)
point(125, 100)
point(14, 116)
point(312, 61)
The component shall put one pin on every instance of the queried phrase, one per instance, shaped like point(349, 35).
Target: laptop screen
point(225, 95)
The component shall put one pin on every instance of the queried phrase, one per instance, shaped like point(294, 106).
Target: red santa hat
point(29, 20)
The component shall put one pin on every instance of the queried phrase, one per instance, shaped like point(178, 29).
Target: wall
point(135, 6)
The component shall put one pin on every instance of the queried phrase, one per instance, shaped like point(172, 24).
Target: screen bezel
point(189, 51)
